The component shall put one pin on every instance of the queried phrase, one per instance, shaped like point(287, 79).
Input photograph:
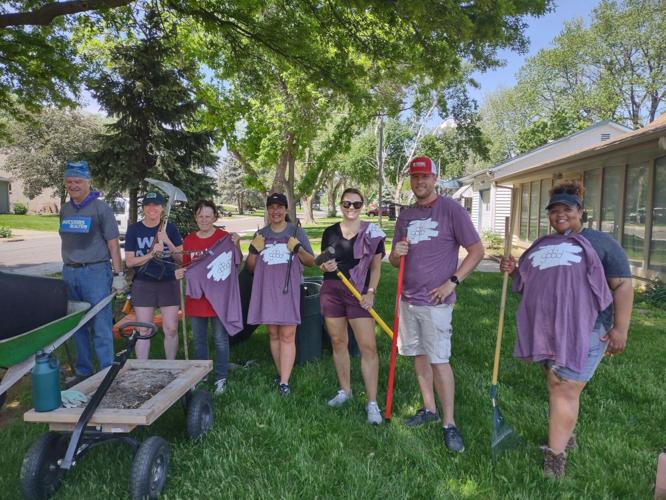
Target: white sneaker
point(340, 398)
point(220, 385)
point(374, 413)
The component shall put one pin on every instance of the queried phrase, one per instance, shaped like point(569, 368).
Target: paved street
point(38, 252)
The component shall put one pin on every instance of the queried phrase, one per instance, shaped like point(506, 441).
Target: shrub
point(492, 240)
point(655, 293)
point(20, 209)
point(5, 232)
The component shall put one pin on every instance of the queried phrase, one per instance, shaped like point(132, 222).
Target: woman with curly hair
point(576, 306)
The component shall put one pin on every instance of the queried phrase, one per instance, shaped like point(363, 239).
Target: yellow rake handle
point(508, 235)
point(371, 310)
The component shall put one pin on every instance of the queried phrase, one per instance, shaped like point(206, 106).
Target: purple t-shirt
point(268, 304)
point(215, 276)
point(435, 235)
point(564, 288)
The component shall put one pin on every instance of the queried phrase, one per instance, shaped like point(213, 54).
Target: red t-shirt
point(199, 307)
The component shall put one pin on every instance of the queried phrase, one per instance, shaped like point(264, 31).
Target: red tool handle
point(394, 345)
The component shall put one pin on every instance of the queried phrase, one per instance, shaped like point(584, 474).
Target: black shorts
point(155, 293)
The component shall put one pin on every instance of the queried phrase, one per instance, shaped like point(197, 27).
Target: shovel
point(174, 194)
point(503, 437)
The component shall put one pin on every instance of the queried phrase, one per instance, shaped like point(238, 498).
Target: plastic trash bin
point(308, 333)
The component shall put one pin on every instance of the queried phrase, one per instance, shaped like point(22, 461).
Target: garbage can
point(391, 211)
point(308, 333)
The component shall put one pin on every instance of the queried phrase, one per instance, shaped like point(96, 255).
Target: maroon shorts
point(336, 301)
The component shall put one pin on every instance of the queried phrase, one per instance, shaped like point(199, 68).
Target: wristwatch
point(454, 279)
point(371, 290)
point(119, 273)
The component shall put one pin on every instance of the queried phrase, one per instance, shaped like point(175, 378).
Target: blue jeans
point(91, 284)
point(220, 339)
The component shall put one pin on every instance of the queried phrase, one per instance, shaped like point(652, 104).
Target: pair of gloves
point(259, 243)
point(73, 399)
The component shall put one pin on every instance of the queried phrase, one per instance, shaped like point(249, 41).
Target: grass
point(34, 222)
point(264, 446)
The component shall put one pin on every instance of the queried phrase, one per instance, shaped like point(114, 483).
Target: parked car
point(374, 212)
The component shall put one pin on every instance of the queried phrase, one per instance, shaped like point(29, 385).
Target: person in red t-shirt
point(199, 310)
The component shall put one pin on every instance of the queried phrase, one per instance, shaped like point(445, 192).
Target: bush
point(20, 209)
point(492, 240)
point(5, 232)
point(655, 293)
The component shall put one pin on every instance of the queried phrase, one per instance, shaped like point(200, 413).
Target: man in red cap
point(429, 235)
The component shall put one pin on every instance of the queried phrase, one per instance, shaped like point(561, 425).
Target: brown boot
point(554, 464)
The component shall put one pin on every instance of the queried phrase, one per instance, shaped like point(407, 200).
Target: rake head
point(503, 438)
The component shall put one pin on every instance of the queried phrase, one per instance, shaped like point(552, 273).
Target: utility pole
point(380, 165)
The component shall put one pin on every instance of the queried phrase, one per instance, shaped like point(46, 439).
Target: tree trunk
point(332, 196)
point(380, 166)
point(308, 214)
point(133, 202)
point(290, 187)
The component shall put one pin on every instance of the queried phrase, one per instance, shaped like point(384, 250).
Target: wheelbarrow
point(74, 431)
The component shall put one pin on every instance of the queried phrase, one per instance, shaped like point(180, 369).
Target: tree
point(233, 186)
point(559, 124)
point(40, 148)
point(156, 132)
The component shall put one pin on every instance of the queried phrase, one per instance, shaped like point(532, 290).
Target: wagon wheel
point(40, 472)
point(199, 414)
point(149, 469)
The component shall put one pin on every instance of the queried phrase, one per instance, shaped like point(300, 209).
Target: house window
point(635, 201)
point(658, 241)
point(592, 182)
point(524, 210)
point(610, 201)
point(534, 210)
point(544, 223)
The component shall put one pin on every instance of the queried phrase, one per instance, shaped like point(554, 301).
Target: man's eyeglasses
point(348, 204)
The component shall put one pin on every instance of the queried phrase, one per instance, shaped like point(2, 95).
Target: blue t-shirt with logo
point(139, 239)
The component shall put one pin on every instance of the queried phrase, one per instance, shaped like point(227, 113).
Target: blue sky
point(541, 32)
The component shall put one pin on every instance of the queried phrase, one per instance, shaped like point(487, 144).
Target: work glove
point(259, 242)
point(73, 399)
point(119, 284)
point(293, 245)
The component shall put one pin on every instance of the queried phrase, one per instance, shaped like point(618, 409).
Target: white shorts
point(425, 330)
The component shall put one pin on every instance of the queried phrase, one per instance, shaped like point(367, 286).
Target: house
point(489, 201)
point(625, 193)
point(11, 192)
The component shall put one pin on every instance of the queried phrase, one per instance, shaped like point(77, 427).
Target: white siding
point(475, 212)
point(502, 198)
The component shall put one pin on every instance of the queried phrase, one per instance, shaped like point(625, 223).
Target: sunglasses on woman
point(348, 204)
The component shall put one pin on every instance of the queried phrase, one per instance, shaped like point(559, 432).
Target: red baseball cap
point(422, 165)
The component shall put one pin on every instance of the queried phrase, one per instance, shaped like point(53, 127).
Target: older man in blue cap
point(92, 265)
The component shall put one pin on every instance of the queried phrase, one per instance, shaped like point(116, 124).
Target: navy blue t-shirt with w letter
point(139, 239)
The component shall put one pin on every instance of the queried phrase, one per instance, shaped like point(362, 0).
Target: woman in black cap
point(277, 254)
point(576, 306)
point(151, 249)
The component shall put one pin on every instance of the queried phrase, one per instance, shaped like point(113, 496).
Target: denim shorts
point(596, 351)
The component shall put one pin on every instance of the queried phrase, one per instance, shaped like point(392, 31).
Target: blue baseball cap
point(78, 169)
point(153, 198)
point(566, 198)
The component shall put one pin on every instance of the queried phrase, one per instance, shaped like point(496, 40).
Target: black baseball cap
point(153, 198)
point(278, 199)
point(565, 198)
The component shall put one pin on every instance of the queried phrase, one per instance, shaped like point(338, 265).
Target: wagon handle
point(152, 330)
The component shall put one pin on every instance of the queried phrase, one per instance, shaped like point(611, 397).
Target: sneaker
point(423, 416)
point(452, 439)
point(340, 398)
point(220, 385)
point(284, 389)
point(374, 414)
point(554, 464)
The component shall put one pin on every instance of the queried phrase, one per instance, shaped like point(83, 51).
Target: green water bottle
point(46, 383)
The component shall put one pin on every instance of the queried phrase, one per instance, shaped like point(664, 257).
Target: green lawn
point(34, 222)
point(264, 446)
